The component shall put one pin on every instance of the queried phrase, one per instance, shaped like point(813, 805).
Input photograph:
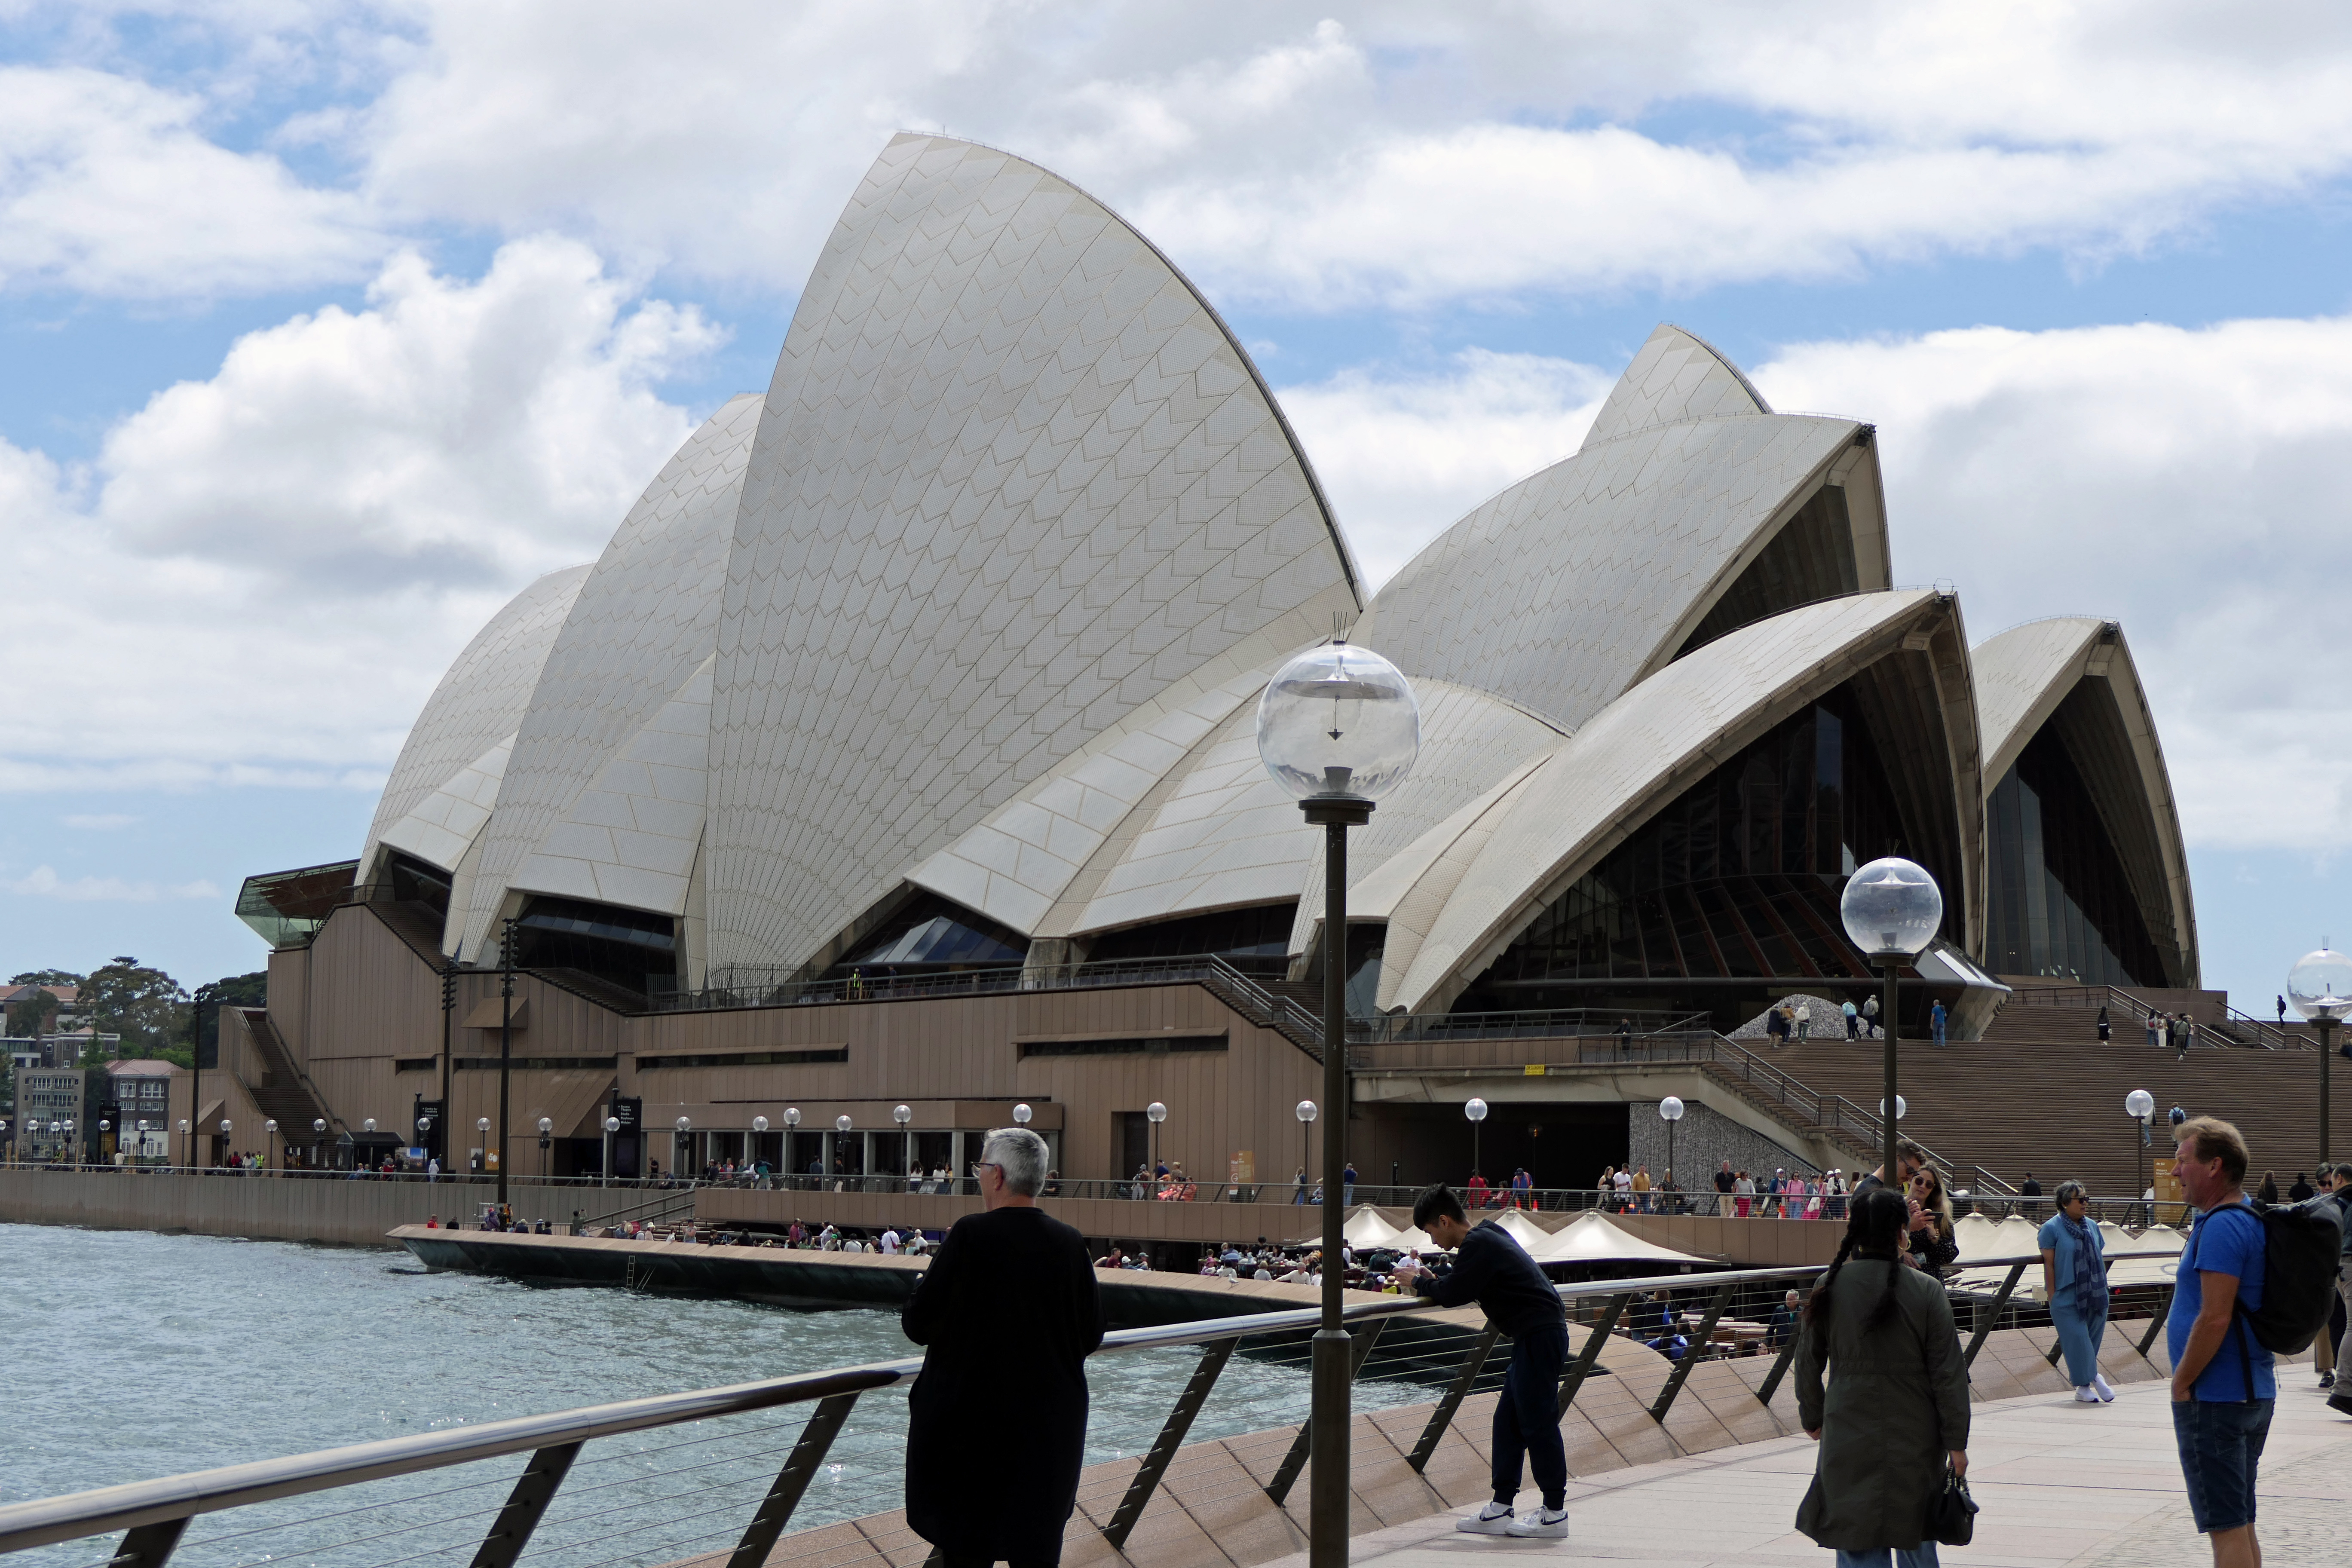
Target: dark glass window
point(2059, 903)
point(1736, 880)
point(416, 882)
point(1810, 559)
point(933, 933)
point(629, 948)
point(1255, 938)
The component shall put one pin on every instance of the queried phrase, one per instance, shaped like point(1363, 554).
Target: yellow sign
point(1535, 1070)
point(1242, 1168)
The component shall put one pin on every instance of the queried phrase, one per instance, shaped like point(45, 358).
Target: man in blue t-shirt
point(2222, 1381)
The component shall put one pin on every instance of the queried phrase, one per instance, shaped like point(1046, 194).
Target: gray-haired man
point(1008, 1313)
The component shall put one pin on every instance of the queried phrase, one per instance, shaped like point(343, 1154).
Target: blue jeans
point(2221, 1450)
point(1527, 1417)
point(1920, 1557)
point(2079, 1335)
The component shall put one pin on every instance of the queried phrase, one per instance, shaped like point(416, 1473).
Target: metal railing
point(2237, 1028)
point(155, 1516)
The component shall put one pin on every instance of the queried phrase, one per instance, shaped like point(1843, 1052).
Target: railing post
point(1443, 1416)
point(150, 1545)
point(510, 1532)
point(1303, 1446)
point(1992, 1314)
point(1582, 1367)
point(2156, 1326)
point(1163, 1448)
point(1771, 1383)
point(1691, 1353)
point(816, 1438)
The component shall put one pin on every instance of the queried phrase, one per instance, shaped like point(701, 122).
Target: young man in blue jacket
point(1494, 1270)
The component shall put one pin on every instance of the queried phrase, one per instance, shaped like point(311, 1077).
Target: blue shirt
point(2227, 1240)
point(2058, 1237)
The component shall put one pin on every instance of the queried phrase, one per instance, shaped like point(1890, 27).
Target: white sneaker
point(1540, 1524)
point(2087, 1395)
point(2103, 1388)
point(1495, 1519)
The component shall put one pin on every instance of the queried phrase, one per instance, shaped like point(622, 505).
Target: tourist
point(1625, 1037)
point(890, 1241)
point(1908, 1158)
point(1834, 1195)
point(2074, 1284)
point(1853, 1019)
point(2106, 1030)
point(1477, 1191)
point(432, 1169)
point(1804, 1019)
point(1725, 1182)
point(2031, 1192)
point(1607, 1186)
point(2267, 1194)
point(2223, 1381)
point(1008, 1313)
point(1744, 1195)
point(1298, 1186)
point(2301, 1189)
point(1114, 1258)
point(433, 1222)
point(1523, 1187)
point(1870, 1017)
point(1936, 1017)
point(1783, 1321)
point(2339, 1182)
point(1895, 1413)
point(2156, 1021)
point(1642, 1190)
point(1347, 1184)
point(1493, 1270)
point(1670, 1196)
point(1932, 1238)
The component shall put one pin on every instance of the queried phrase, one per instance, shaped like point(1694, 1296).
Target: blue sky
point(322, 329)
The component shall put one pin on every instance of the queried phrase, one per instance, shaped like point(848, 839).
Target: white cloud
point(43, 883)
point(275, 564)
point(2187, 483)
point(99, 822)
point(109, 185)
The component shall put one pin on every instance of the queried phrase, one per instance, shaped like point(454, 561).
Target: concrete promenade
point(2060, 1485)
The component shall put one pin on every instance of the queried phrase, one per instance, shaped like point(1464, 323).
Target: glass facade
point(631, 948)
point(287, 908)
point(413, 882)
point(933, 933)
point(1253, 938)
point(2059, 902)
point(1736, 880)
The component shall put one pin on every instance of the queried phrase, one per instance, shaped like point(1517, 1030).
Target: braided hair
point(1874, 1223)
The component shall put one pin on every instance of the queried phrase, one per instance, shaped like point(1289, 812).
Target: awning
point(1592, 1238)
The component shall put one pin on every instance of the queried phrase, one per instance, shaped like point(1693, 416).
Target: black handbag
point(1952, 1517)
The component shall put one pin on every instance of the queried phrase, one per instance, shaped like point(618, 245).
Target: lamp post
point(2319, 987)
point(1338, 727)
point(759, 1142)
point(1306, 1121)
point(448, 1008)
point(1670, 1110)
point(546, 1126)
point(1891, 909)
point(189, 1136)
point(841, 1126)
point(103, 1127)
point(482, 1130)
point(677, 1159)
point(1474, 1110)
point(1155, 1113)
point(2141, 1105)
point(318, 1137)
point(505, 1044)
point(224, 1130)
point(903, 1114)
point(611, 1125)
point(791, 1125)
point(367, 1127)
point(271, 1129)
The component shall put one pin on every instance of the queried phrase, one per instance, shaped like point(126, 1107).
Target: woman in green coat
point(1897, 1402)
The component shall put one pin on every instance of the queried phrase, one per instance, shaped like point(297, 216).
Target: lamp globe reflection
point(2319, 986)
point(1892, 908)
point(1339, 720)
point(2140, 1104)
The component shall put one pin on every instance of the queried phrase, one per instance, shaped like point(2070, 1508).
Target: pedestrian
point(2106, 1030)
point(1935, 1016)
point(2339, 1182)
point(2267, 1194)
point(1908, 1158)
point(1895, 1413)
point(2223, 1381)
point(2154, 1021)
point(1624, 1187)
point(1642, 1190)
point(1853, 1019)
point(2281, 1010)
point(432, 1169)
point(1493, 1270)
point(1725, 1182)
point(1608, 1186)
point(1477, 1191)
point(2075, 1284)
point(1804, 1019)
point(1743, 1188)
point(1625, 1037)
point(1784, 1320)
point(1297, 1184)
point(2031, 1192)
point(1870, 1017)
point(1931, 1236)
point(1347, 1184)
point(2301, 1190)
point(1008, 1312)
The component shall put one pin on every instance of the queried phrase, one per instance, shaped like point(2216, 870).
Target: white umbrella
point(1366, 1228)
point(1592, 1239)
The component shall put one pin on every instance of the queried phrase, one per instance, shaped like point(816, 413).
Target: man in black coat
point(1493, 1270)
point(996, 1424)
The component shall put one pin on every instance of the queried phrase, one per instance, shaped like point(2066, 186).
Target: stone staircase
point(284, 1093)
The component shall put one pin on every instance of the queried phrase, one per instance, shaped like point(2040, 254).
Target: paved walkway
point(2060, 1485)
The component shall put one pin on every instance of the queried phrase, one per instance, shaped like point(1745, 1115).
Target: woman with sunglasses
point(1932, 1237)
point(2074, 1284)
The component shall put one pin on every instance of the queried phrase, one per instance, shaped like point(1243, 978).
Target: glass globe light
point(1306, 1110)
point(792, 1116)
point(1339, 720)
point(684, 1122)
point(224, 1126)
point(1476, 1110)
point(1670, 1109)
point(183, 1124)
point(318, 1124)
point(367, 1126)
point(612, 1124)
point(546, 1126)
point(2319, 986)
point(901, 1114)
point(759, 1124)
point(1902, 1108)
point(841, 1123)
point(481, 1124)
point(2140, 1104)
point(103, 1124)
point(1157, 1112)
point(1891, 907)
point(1022, 1114)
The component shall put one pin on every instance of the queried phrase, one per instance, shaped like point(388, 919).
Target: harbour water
point(135, 1355)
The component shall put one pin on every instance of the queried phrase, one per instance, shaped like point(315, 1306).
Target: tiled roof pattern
point(481, 698)
point(442, 826)
point(646, 617)
point(1625, 762)
point(1559, 591)
point(1013, 482)
point(2022, 675)
point(1675, 376)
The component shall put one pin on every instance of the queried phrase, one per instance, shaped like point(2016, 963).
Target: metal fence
point(694, 1494)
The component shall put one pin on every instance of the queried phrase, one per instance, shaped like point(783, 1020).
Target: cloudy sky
point(324, 328)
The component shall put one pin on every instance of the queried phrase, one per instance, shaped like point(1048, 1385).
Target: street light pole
point(2320, 988)
point(1155, 1113)
point(2139, 1105)
point(505, 1044)
point(1671, 1109)
point(449, 1006)
point(1891, 908)
point(1475, 1110)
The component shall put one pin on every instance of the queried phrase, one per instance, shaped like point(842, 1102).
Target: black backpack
point(2302, 1245)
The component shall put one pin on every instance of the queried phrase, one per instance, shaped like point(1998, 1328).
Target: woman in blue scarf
point(2074, 1283)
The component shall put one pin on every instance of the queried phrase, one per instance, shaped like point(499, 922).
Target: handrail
point(132, 1504)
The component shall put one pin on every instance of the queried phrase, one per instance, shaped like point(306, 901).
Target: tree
point(29, 1015)
point(230, 991)
point(47, 977)
point(145, 1007)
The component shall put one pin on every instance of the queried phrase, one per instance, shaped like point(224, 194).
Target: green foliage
point(30, 1015)
point(229, 991)
point(145, 1007)
point(47, 977)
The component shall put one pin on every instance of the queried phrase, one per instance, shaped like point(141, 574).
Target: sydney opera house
point(898, 748)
